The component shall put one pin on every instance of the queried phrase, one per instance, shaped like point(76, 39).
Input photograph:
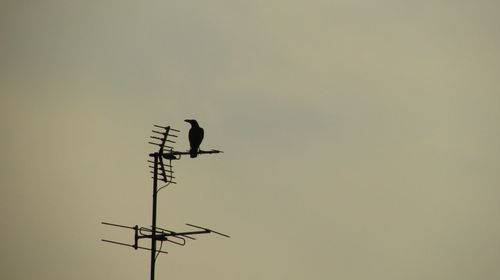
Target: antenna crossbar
point(172, 154)
point(128, 245)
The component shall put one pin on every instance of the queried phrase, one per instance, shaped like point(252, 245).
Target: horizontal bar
point(222, 234)
point(128, 245)
point(119, 243)
point(164, 127)
point(187, 152)
point(160, 174)
point(166, 180)
point(150, 161)
point(173, 233)
point(155, 137)
point(156, 131)
point(170, 141)
point(210, 152)
point(165, 175)
point(225, 235)
point(187, 236)
point(159, 251)
point(169, 171)
point(145, 229)
point(169, 156)
point(154, 143)
point(160, 145)
point(186, 233)
point(170, 182)
point(164, 229)
point(159, 165)
point(191, 225)
point(115, 225)
point(171, 129)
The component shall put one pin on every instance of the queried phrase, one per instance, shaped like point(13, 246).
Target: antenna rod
point(153, 228)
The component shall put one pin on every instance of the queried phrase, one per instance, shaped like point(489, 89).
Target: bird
point(195, 137)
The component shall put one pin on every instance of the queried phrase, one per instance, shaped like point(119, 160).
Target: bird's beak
point(189, 121)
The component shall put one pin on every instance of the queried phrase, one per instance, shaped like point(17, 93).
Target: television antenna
point(162, 170)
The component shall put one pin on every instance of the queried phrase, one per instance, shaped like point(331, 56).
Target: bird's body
point(195, 137)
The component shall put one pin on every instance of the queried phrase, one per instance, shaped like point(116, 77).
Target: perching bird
point(195, 137)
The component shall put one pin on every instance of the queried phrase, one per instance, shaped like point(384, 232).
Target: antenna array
point(166, 151)
point(162, 170)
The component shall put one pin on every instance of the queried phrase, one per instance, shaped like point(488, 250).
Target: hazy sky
point(360, 138)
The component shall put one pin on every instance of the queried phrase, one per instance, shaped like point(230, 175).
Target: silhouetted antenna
point(165, 135)
point(162, 170)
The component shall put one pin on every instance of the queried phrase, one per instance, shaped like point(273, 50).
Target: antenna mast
point(162, 172)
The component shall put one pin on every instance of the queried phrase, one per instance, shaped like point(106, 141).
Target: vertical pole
point(153, 227)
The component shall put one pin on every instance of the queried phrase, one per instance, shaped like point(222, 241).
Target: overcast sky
point(360, 138)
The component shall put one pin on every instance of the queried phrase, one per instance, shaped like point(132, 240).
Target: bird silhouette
point(195, 137)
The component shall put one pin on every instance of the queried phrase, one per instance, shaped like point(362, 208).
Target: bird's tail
point(193, 153)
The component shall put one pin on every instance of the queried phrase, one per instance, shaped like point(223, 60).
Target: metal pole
point(153, 227)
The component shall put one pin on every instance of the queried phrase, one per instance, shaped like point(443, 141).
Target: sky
point(360, 138)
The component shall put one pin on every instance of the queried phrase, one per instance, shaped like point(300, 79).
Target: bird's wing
point(195, 137)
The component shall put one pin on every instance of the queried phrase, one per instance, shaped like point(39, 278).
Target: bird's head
point(192, 122)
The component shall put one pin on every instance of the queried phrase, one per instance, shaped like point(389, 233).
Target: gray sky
point(360, 138)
